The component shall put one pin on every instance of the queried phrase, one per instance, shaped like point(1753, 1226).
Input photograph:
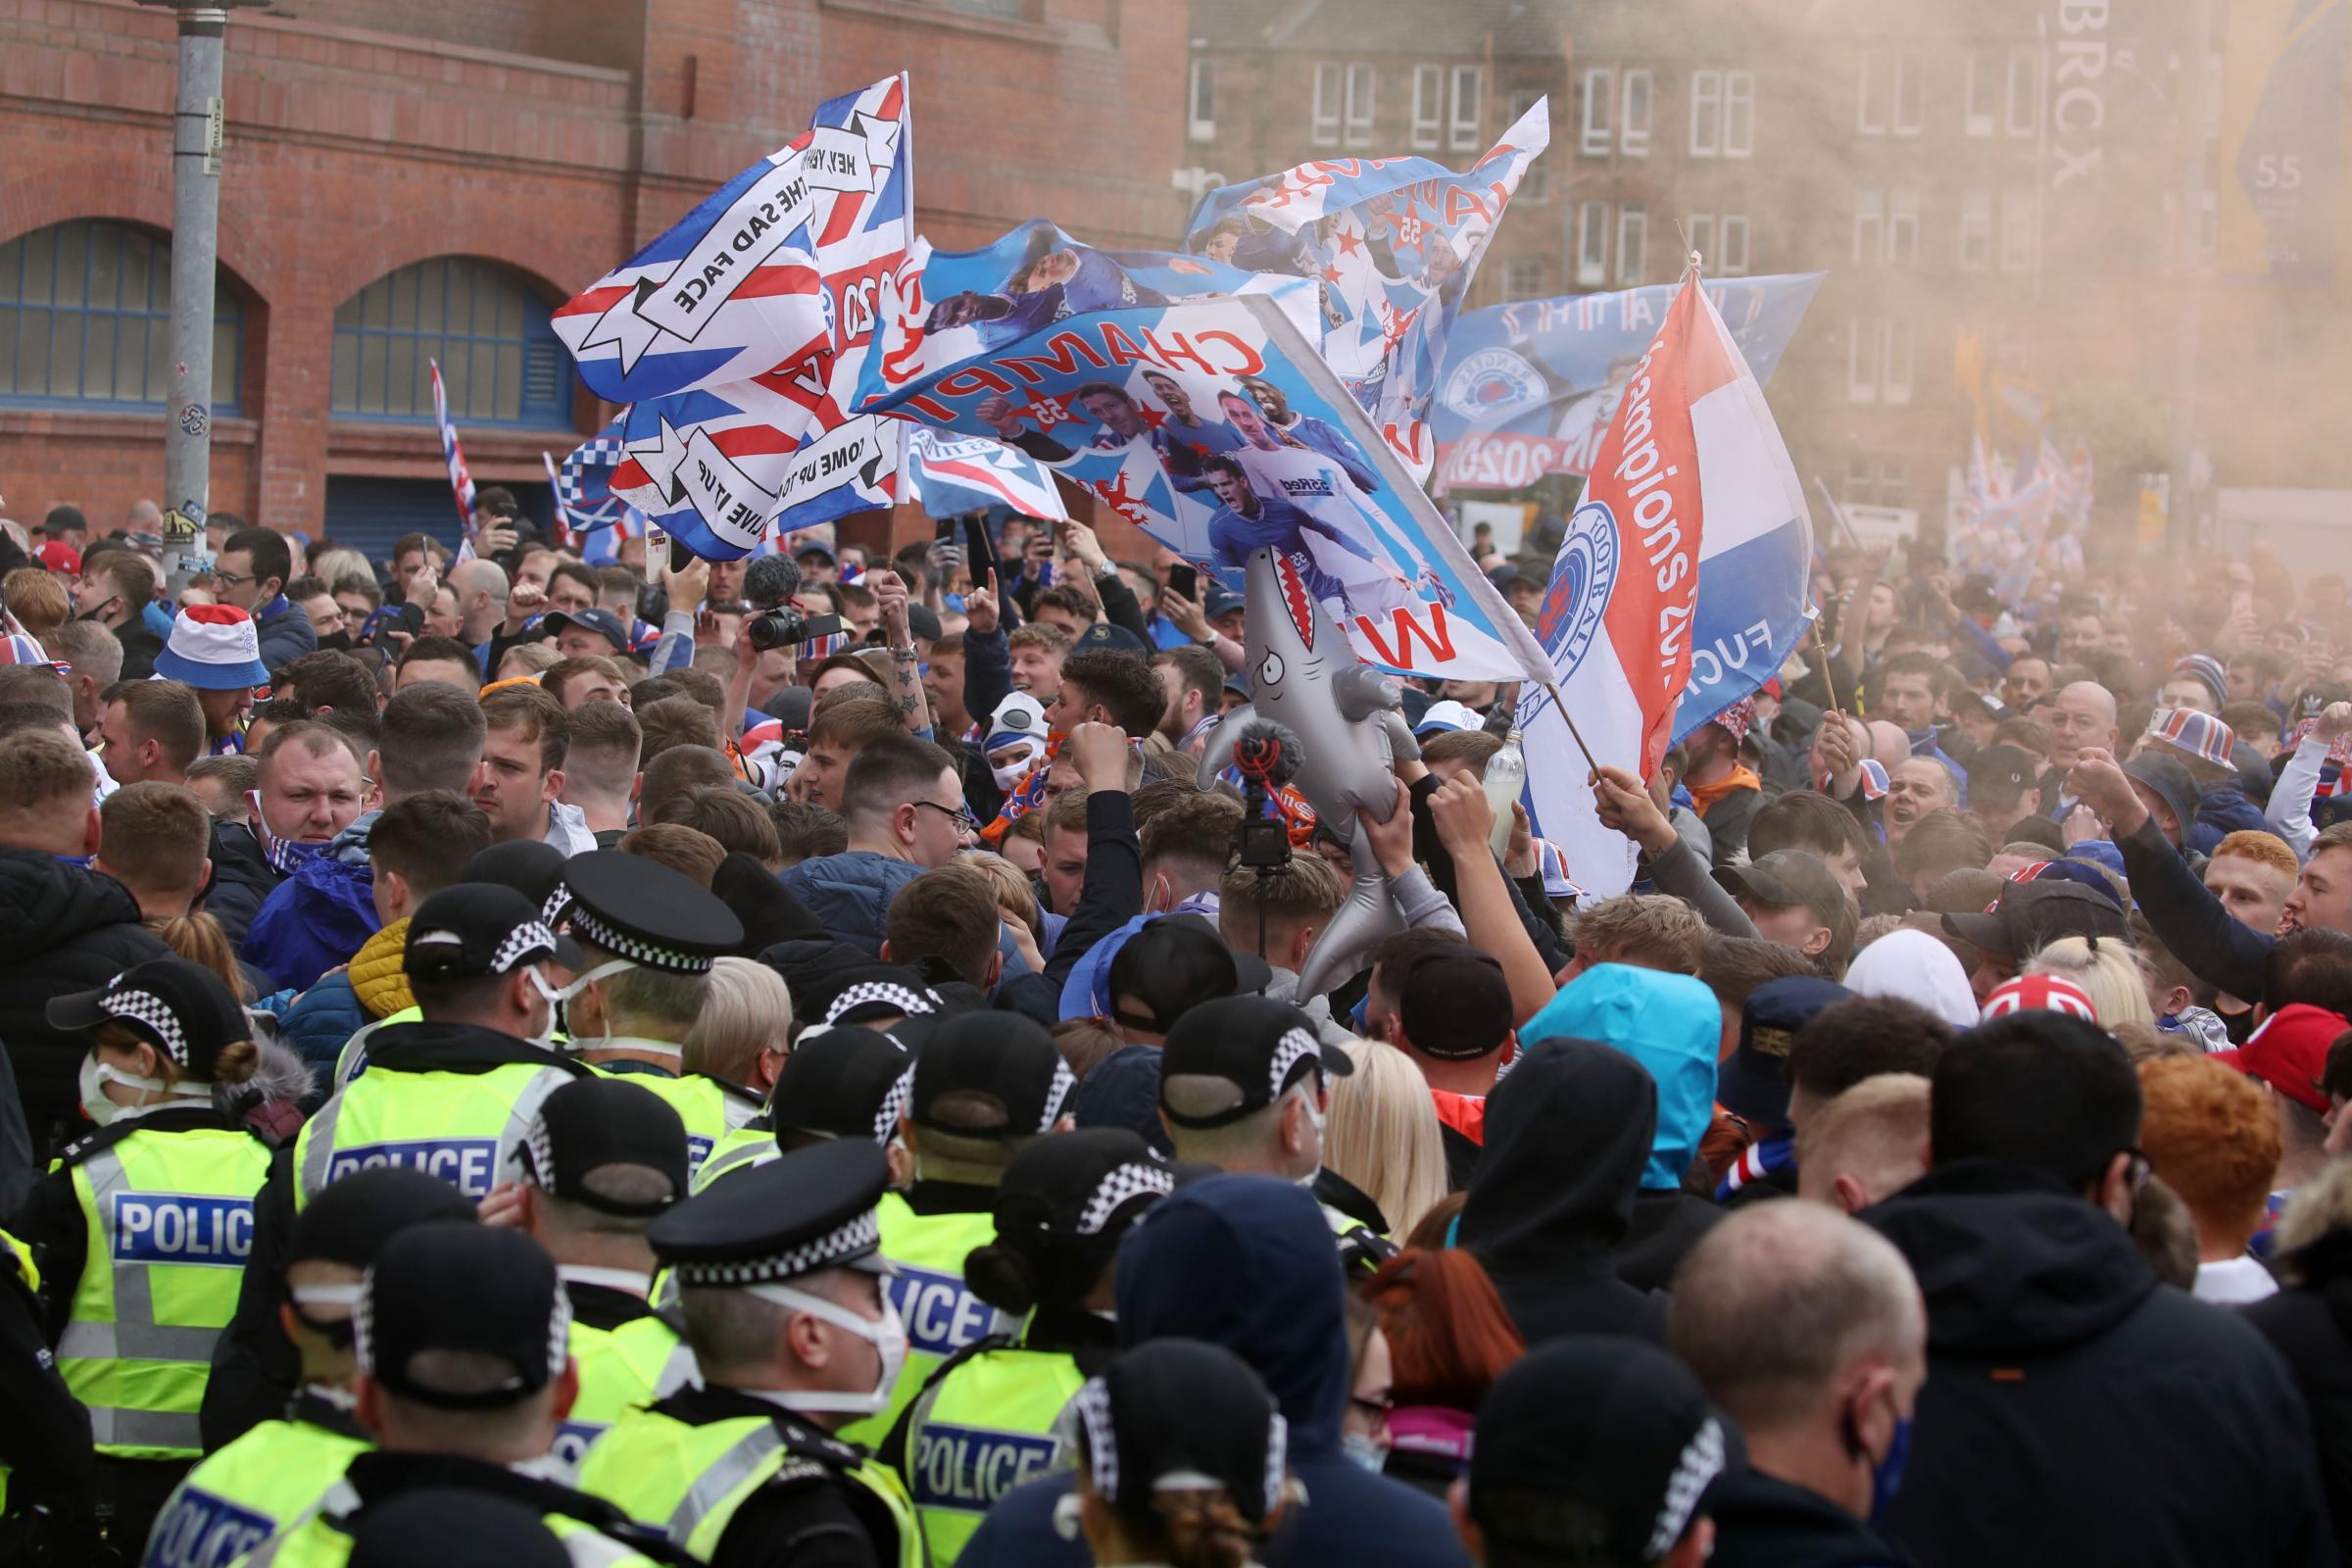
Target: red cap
point(2289, 1051)
point(59, 557)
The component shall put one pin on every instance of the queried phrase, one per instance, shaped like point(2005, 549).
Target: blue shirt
point(1233, 539)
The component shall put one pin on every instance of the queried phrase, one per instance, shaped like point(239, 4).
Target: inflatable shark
point(1350, 723)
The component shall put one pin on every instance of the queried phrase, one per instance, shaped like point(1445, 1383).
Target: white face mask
point(885, 1334)
point(557, 998)
point(101, 1110)
point(1369, 1453)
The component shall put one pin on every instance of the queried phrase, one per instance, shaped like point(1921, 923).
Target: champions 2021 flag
point(1530, 388)
point(951, 475)
point(750, 280)
point(1391, 245)
point(1211, 423)
point(1680, 586)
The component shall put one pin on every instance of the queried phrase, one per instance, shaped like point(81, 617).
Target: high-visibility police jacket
point(267, 1481)
point(593, 1534)
point(621, 1368)
point(711, 1108)
point(689, 1464)
point(453, 1101)
point(752, 1144)
point(983, 1426)
point(928, 1234)
point(149, 1223)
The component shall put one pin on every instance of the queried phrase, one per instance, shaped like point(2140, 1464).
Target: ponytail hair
point(1028, 1269)
point(1201, 1529)
point(198, 939)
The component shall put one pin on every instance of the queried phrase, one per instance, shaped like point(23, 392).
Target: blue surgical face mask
point(1886, 1474)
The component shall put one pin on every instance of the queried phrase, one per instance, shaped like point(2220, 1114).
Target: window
point(1902, 226)
point(1469, 108)
point(1203, 100)
point(1635, 118)
point(1600, 88)
point(1979, 98)
point(1429, 107)
point(1359, 105)
point(1870, 226)
point(86, 318)
point(500, 360)
point(1523, 279)
point(2209, 223)
point(1707, 113)
point(2017, 228)
point(2025, 91)
point(1701, 229)
point(1894, 376)
point(1535, 185)
point(1739, 113)
point(2212, 107)
point(1325, 124)
point(1734, 263)
point(1870, 99)
point(1865, 341)
point(1861, 481)
point(1894, 482)
point(1890, 97)
point(1593, 242)
point(1632, 242)
point(1910, 109)
point(1976, 230)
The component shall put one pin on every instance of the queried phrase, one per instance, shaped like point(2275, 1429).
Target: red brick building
point(415, 179)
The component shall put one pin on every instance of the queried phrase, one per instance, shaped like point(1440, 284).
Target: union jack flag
point(461, 483)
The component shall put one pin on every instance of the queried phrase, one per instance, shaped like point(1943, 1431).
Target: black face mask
point(336, 642)
point(98, 610)
point(338, 1335)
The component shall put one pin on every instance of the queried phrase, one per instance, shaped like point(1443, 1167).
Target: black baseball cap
point(1221, 601)
point(845, 1082)
point(182, 1008)
point(1753, 1083)
point(453, 1526)
point(816, 548)
point(354, 1216)
point(1174, 1407)
point(530, 866)
point(1259, 1046)
point(2001, 768)
point(2032, 914)
point(482, 1289)
point(1103, 637)
point(1173, 963)
point(1789, 878)
point(474, 930)
point(599, 621)
point(594, 1124)
point(1614, 1427)
point(1453, 1003)
point(641, 910)
point(1006, 1072)
point(1086, 1184)
point(922, 622)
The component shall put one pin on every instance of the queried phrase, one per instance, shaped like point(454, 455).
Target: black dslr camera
point(783, 627)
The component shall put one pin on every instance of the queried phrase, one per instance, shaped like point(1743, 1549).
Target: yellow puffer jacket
point(376, 977)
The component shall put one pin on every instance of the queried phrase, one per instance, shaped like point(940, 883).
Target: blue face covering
point(82, 860)
point(1887, 1474)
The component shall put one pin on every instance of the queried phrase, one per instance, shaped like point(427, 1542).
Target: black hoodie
point(2311, 1325)
point(1764, 1522)
point(2076, 1410)
point(1568, 1133)
point(62, 929)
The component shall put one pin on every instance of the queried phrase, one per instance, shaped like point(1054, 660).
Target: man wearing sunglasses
point(904, 802)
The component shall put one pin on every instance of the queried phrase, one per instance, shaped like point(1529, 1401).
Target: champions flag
point(739, 286)
point(951, 475)
point(1532, 387)
point(1391, 245)
point(1680, 586)
point(461, 483)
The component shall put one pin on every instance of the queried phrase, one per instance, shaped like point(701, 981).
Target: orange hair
point(1448, 1332)
point(2210, 1134)
point(2263, 849)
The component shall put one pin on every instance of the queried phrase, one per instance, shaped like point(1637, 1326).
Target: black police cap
point(641, 910)
point(811, 1210)
point(594, 1124)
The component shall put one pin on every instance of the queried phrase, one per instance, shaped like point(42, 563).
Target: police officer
point(648, 936)
point(602, 1159)
point(273, 1476)
point(781, 1279)
point(450, 1095)
point(987, 1085)
point(451, 1529)
point(1181, 1456)
point(48, 1508)
point(459, 1335)
point(845, 1082)
point(984, 1423)
point(142, 1228)
point(1245, 1086)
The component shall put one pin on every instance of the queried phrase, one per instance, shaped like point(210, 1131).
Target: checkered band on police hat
point(148, 1009)
point(1120, 1185)
point(522, 943)
point(1064, 1083)
point(588, 928)
point(1091, 1405)
point(1293, 1045)
point(893, 1106)
point(914, 1003)
point(856, 1238)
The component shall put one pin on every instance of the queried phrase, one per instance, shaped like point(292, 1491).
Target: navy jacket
point(1247, 1262)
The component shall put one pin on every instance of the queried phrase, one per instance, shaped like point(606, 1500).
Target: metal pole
point(2181, 523)
point(195, 224)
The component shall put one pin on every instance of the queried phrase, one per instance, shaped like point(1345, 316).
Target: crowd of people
point(791, 1061)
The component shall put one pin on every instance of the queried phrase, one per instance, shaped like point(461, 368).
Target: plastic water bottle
point(1506, 777)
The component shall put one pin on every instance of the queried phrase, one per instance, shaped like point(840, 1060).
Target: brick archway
point(124, 191)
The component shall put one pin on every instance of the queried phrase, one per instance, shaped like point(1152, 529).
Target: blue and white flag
point(1213, 423)
point(951, 475)
point(1530, 388)
point(1391, 245)
point(752, 279)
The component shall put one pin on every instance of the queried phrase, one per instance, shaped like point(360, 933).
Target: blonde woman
point(2109, 972)
point(1383, 1134)
point(744, 1031)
